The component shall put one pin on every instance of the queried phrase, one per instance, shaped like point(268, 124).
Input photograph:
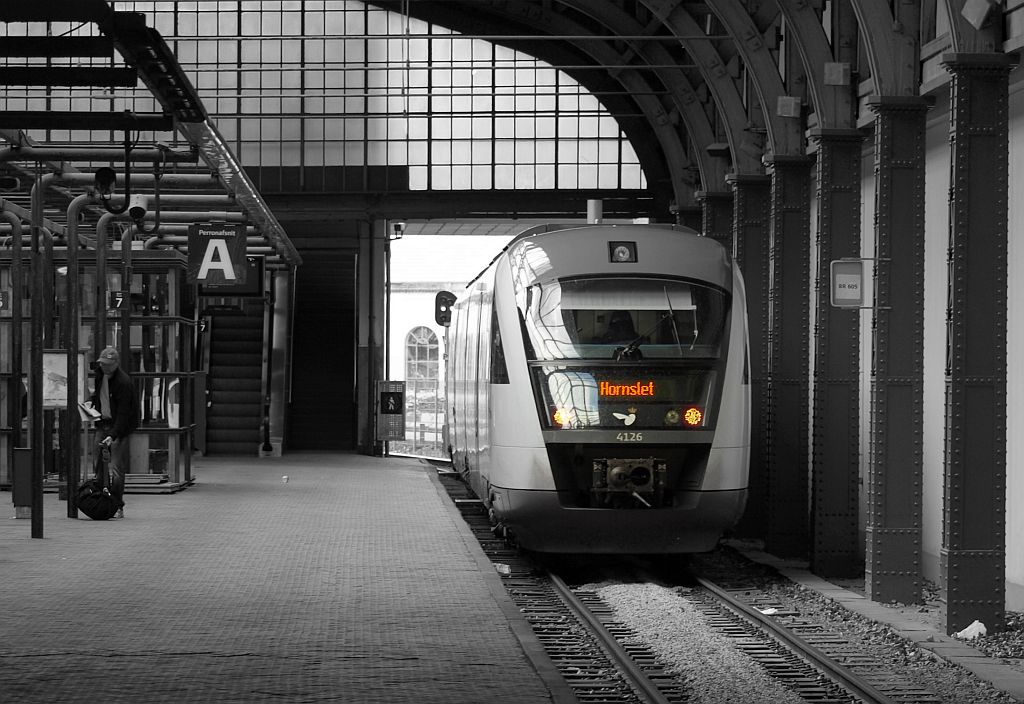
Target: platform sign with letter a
point(391, 410)
point(216, 254)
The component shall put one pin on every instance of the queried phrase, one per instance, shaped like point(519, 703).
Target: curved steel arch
point(723, 89)
point(673, 149)
point(968, 39)
point(495, 19)
point(699, 129)
point(893, 52)
point(814, 50)
point(784, 135)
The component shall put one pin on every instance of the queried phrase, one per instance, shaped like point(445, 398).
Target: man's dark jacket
point(124, 404)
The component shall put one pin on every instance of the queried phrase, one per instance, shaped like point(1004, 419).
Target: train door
point(482, 379)
point(472, 335)
point(457, 389)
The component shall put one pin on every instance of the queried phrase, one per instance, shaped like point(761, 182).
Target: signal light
point(693, 416)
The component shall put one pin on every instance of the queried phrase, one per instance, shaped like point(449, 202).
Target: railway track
point(604, 662)
point(748, 614)
point(583, 648)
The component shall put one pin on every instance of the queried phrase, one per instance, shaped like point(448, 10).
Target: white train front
point(597, 389)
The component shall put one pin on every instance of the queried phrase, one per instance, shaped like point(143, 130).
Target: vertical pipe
point(73, 439)
point(595, 211)
point(100, 334)
point(127, 271)
point(36, 365)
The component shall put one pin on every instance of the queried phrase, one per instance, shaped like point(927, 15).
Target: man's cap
point(109, 355)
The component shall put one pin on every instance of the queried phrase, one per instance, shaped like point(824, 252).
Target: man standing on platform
point(115, 398)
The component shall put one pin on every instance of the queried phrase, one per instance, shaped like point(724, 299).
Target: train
point(597, 389)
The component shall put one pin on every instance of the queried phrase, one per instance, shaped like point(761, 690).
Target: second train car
point(597, 389)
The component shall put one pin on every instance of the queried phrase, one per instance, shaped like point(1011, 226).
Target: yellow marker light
point(693, 416)
point(561, 417)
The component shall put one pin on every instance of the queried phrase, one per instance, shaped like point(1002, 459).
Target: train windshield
point(622, 319)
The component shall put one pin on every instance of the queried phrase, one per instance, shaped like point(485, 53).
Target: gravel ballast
point(713, 670)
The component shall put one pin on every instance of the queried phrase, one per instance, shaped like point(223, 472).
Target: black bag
point(95, 501)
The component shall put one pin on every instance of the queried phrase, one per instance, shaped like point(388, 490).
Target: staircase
point(234, 382)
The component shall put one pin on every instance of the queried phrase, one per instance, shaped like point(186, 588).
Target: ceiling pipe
point(38, 191)
point(15, 225)
point(78, 203)
point(202, 216)
point(173, 240)
point(26, 216)
point(147, 178)
point(183, 199)
point(254, 245)
point(114, 154)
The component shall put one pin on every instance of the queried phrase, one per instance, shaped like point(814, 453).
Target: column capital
point(735, 179)
point(955, 62)
point(836, 134)
point(900, 103)
point(701, 196)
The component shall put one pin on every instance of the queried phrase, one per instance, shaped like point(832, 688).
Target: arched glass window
point(424, 402)
point(330, 89)
point(421, 353)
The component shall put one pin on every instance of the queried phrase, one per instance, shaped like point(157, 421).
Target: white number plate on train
point(630, 437)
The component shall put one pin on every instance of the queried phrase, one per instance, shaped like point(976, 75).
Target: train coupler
point(629, 483)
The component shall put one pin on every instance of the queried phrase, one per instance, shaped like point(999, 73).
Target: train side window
point(499, 371)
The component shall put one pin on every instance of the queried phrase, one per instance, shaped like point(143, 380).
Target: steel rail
point(855, 684)
point(632, 672)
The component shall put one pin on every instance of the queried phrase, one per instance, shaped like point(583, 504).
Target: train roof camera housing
point(105, 179)
point(138, 208)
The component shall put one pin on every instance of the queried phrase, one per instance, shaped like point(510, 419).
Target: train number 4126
point(629, 437)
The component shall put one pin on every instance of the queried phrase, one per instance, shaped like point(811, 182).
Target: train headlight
point(693, 416)
point(561, 417)
point(619, 252)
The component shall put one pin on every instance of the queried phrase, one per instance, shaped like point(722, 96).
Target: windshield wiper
point(672, 317)
point(632, 350)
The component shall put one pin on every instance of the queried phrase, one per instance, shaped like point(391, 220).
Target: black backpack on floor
point(95, 501)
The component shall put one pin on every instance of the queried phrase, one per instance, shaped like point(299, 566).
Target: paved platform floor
point(354, 581)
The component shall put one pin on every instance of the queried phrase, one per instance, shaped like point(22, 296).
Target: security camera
point(137, 207)
point(105, 179)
